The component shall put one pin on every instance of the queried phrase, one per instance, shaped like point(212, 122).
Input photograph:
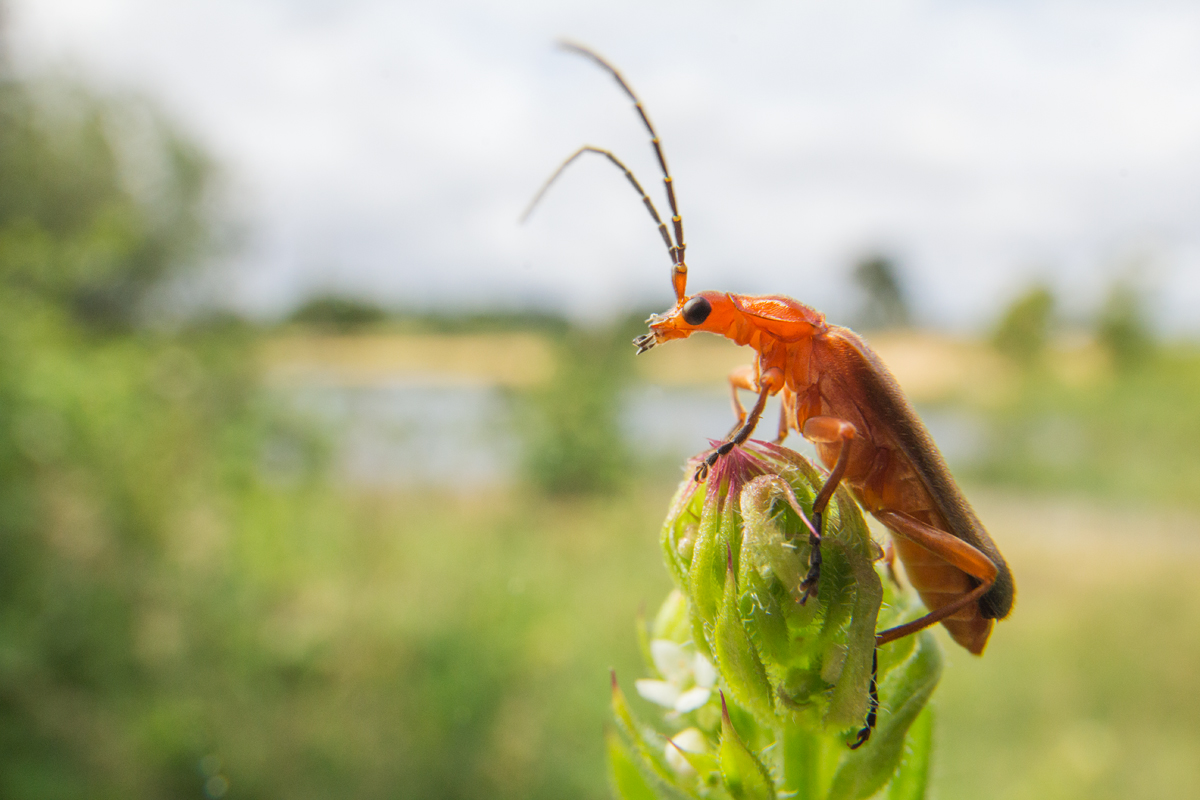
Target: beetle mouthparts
point(645, 342)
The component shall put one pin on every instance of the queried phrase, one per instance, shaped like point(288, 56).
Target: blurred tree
point(337, 313)
point(1123, 327)
point(878, 277)
point(107, 444)
point(1023, 332)
point(100, 199)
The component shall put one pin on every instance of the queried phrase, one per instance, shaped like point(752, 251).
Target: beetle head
point(704, 311)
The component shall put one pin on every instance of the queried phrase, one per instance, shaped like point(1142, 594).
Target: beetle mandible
point(838, 394)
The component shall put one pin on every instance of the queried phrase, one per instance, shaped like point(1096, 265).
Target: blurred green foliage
point(100, 200)
point(1132, 435)
point(1085, 692)
point(1123, 327)
point(886, 304)
point(572, 440)
point(1023, 332)
point(338, 313)
point(1123, 427)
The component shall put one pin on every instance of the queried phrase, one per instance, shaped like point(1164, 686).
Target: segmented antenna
point(587, 148)
point(676, 248)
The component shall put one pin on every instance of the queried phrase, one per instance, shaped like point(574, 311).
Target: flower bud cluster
point(762, 689)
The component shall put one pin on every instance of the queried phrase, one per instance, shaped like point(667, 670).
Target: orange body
point(893, 464)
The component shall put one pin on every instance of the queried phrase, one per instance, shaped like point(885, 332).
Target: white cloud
point(389, 147)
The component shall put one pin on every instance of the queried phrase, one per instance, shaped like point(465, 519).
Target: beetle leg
point(786, 410)
point(864, 733)
point(740, 378)
point(825, 430)
point(769, 382)
point(955, 551)
point(889, 560)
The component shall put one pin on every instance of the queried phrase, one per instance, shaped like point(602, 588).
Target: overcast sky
point(386, 149)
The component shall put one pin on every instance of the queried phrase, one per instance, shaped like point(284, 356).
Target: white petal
point(661, 692)
point(689, 740)
point(692, 699)
point(677, 762)
point(670, 659)
point(706, 673)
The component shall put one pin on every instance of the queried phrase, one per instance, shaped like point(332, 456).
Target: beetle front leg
point(824, 430)
point(770, 382)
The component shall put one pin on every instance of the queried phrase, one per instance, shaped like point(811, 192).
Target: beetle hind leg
point(959, 554)
point(864, 732)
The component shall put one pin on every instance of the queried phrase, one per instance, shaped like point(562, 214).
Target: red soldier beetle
point(839, 395)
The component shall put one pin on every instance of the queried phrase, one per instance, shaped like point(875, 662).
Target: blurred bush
point(570, 426)
point(1123, 327)
point(121, 456)
point(1023, 332)
point(885, 301)
point(100, 200)
point(338, 313)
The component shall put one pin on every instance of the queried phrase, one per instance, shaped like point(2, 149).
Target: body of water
point(403, 433)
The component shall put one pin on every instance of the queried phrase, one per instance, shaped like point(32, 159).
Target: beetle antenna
point(587, 148)
point(676, 248)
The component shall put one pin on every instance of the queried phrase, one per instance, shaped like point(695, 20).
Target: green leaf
point(624, 776)
point(680, 524)
point(743, 773)
point(632, 731)
point(703, 763)
point(902, 696)
point(848, 701)
point(672, 622)
point(708, 560)
point(809, 762)
point(647, 759)
point(737, 659)
point(764, 545)
point(913, 776)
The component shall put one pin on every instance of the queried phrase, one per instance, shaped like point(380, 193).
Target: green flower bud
point(763, 685)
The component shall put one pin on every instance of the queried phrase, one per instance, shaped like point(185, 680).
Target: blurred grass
point(1087, 691)
point(1131, 434)
point(187, 591)
point(434, 646)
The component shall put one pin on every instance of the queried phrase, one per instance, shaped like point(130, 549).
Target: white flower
point(688, 740)
point(688, 678)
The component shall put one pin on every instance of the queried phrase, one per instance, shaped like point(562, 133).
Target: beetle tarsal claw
point(645, 342)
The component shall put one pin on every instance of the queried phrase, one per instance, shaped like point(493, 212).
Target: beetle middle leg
point(824, 430)
point(740, 378)
point(787, 413)
point(864, 732)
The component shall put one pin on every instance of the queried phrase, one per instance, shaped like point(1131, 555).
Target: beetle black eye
point(696, 310)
